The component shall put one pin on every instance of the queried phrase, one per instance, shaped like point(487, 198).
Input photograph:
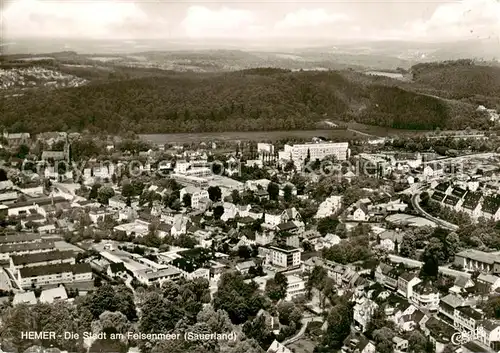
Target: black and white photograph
point(250, 176)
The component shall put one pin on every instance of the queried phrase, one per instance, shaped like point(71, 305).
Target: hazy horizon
point(256, 21)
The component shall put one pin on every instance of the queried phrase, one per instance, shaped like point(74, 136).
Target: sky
point(251, 20)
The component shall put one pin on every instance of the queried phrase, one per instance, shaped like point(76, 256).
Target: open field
point(244, 136)
point(375, 131)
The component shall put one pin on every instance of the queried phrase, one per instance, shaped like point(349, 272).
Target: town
point(368, 245)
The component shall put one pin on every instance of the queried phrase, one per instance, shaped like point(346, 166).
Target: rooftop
point(37, 271)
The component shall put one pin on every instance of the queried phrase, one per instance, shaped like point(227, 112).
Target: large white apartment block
point(284, 256)
point(298, 153)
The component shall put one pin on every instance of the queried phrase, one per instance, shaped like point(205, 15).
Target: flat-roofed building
point(53, 274)
point(149, 276)
point(316, 151)
point(284, 256)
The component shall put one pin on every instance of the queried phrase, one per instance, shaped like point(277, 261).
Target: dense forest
point(257, 99)
point(461, 79)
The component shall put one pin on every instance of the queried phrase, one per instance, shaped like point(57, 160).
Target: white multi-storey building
point(197, 195)
point(284, 256)
point(298, 153)
point(296, 287)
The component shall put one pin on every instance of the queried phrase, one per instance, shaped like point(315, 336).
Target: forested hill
point(462, 79)
point(256, 99)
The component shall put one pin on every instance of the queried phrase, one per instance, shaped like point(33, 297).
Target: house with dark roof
point(41, 259)
point(357, 343)
point(53, 274)
point(8, 250)
point(425, 296)
point(406, 282)
point(439, 333)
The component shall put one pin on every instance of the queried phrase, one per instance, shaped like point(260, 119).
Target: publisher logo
point(460, 338)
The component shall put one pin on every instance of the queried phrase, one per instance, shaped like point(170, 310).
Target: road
point(415, 201)
point(304, 322)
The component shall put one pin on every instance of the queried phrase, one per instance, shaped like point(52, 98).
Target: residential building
point(363, 312)
point(277, 347)
point(296, 287)
point(243, 267)
point(53, 274)
point(489, 334)
point(117, 270)
point(284, 256)
point(49, 296)
point(152, 276)
point(197, 195)
point(425, 296)
point(25, 248)
point(488, 283)
point(467, 319)
point(41, 259)
point(406, 282)
point(24, 298)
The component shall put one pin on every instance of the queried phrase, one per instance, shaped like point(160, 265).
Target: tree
point(104, 194)
point(492, 307)
point(276, 288)
point(383, 338)
point(289, 313)
point(3, 175)
point(218, 212)
point(273, 190)
point(128, 190)
point(158, 314)
point(214, 193)
point(217, 321)
point(317, 278)
point(258, 330)
point(416, 342)
point(23, 151)
point(430, 268)
point(235, 197)
point(287, 193)
point(339, 321)
point(244, 252)
point(327, 225)
point(186, 200)
point(378, 321)
point(239, 299)
point(112, 322)
point(93, 191)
